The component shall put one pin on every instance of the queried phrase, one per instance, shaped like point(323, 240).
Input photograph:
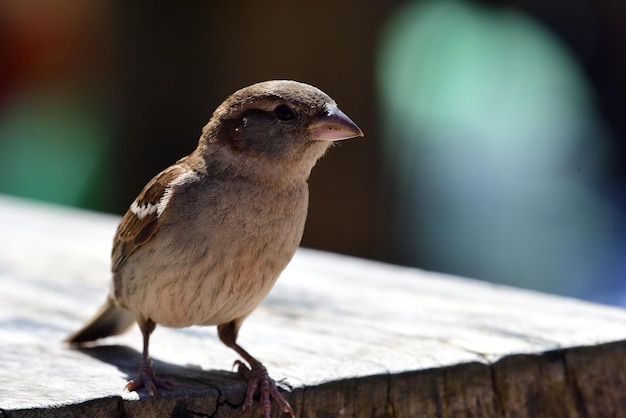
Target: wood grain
point(346, 337)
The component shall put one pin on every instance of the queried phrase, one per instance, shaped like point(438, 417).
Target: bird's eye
point(284, 112)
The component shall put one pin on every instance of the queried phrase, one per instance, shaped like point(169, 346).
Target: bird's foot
point(148, 380)
point(259, 379)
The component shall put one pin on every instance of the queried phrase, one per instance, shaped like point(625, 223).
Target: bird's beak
point(333, 125)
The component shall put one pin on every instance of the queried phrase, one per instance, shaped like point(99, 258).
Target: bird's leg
point(146, 377)
point(256, 374)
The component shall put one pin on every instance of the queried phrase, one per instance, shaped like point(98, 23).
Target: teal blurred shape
point(53, 148)
point(495, 147)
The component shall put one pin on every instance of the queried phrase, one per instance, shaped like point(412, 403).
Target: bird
point(206, 239)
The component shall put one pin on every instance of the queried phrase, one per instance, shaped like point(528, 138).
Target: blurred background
point(495, 130)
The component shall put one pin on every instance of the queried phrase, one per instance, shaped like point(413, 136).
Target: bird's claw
point(258, 378)
point(148, 380)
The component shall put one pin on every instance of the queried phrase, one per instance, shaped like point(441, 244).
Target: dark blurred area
point(495, 136)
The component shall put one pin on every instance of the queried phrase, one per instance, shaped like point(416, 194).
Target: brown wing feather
point(135, 230)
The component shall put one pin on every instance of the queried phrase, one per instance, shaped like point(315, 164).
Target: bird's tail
point(109, 320)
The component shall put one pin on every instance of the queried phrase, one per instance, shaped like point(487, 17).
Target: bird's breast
point(215, 256)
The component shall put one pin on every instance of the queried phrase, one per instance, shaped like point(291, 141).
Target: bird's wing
point(142, 219)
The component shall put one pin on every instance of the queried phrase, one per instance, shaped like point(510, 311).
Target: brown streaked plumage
point(206, 239)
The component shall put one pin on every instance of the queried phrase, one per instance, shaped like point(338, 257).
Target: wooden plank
point(349, 337)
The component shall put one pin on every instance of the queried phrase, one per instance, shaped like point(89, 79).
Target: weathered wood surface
point(349, 337)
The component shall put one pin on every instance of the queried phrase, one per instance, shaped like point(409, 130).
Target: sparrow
point(205, 240)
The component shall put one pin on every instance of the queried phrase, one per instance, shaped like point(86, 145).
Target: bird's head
point(279, 123)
